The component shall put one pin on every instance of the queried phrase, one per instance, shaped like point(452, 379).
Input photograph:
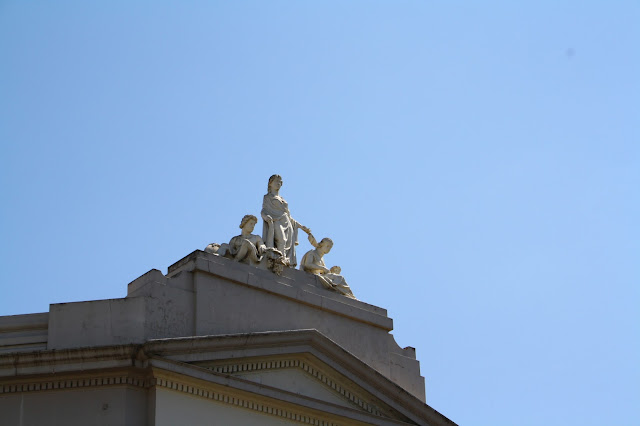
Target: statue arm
point(261, 246)
point(266, 217)
point(234, 244)
point(324, 270)
point(265, 210)
point(299, 225)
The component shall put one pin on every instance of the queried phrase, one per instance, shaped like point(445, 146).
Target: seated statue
point(246, 247)
point(313, 263)
point(250, 249)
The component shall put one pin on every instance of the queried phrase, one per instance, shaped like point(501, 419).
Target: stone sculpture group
point(276, 249)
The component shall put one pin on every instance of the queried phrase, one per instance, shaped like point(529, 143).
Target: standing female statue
point(279, 229)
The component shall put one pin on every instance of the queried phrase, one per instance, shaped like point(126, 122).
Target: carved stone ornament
point(276, 250)
point(313, 262)
point(279, 229)
point(249, 248)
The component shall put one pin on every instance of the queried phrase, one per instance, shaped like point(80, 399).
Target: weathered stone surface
point(23, 332)
point(206, 294)
point(272, 377)
point(117, 405)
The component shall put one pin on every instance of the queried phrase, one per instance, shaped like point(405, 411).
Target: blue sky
point(477, 165)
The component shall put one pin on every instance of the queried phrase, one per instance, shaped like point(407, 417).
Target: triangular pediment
point(302, 367)
point(297, 381)
point(307, 376)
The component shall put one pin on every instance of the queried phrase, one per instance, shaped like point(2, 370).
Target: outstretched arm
point(301, 226)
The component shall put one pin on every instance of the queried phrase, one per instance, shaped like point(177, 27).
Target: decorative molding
point(237, 401)
point(313, 371)
point(147, 381)
point(129, 380)
point(76, 368)
point(207, 351)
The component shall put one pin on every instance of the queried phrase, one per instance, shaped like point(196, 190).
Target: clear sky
point(477, 165)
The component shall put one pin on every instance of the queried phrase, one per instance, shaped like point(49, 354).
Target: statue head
point(272, 180)
point(246, 219)
point(326, 244)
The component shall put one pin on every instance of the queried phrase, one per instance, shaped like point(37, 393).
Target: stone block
point(96, 323)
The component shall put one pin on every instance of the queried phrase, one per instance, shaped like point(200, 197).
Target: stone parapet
point(20, 333)
point(292, 284)
point(207, 295)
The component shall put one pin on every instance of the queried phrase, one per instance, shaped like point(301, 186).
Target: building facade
point(212, 342)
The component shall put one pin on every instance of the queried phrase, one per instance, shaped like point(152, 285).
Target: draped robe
point(284, 228)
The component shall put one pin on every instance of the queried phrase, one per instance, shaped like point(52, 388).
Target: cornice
point(239, 367)
point(59, 361)
point(23, 371)
point(282, 343)
point(135, 377)
point(205, 383)
point(248, 403)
